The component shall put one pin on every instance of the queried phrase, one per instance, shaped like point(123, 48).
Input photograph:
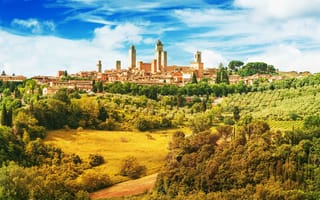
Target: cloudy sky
point(43, 36)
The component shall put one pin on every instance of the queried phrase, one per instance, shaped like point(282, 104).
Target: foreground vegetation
point(51, 147)
point(252, 164)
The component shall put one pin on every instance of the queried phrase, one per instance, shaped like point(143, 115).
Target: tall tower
point(197, 64)
point(160, 57)
point(158, 52)
point(99, 65)
point(197, 57)
point(132, 57)
point(164, 60)
point(118, 65)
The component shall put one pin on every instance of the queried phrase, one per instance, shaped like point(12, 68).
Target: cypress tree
point(9, 117)
point(194, 78)
point(4, 115)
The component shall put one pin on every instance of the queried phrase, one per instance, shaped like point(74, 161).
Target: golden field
point(149, 148)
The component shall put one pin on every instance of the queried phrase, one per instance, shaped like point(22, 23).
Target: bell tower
point(197, 57)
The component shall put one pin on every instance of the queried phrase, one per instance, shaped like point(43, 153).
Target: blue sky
point(44, 36)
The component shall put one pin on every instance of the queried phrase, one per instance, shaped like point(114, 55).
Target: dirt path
point(127, 188)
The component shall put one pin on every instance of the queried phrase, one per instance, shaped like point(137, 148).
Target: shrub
point(131, 168)
point(166, 123)
point(95, 160)
point(143, 124)
point(92, 181)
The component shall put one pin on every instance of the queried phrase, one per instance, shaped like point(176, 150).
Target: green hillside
point(280, 105)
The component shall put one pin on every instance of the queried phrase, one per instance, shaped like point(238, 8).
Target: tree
point(62, 95)
point(30, 84)
point(23, 121)
point(194, 79)
point(130, 167)
point(143, 124)
point(234, 65)
point(225, 131)
point(9, 117)
point(252, 68)
point(102, 113)
point(236, 113)
point(199, 123)
point(99, 86)
point(312, 121)
point(4, 115)
point(10, 146)
point(222, 75)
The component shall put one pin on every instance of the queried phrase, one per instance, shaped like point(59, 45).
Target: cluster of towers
point(159, 63)
point(160, 57)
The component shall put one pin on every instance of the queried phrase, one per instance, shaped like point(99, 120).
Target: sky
point(40, 37)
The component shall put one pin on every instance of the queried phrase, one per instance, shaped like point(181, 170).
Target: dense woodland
point(231, 154)
point(250, 163)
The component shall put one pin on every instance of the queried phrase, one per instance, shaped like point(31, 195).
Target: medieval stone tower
point(197, 57)
point(118, 65)
point(197, 64)
point(99, 65)
point(132, 58)
point(160, 57)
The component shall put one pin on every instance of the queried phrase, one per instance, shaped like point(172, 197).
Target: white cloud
point(46, 55)
point(240, 35)
point(116, 37)
point(280, 8)
point(149, 40)
point(209, 17)
point(212, 59)
point(34, 25)
point(289, 58)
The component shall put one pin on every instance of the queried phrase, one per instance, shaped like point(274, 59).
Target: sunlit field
point(149, 148)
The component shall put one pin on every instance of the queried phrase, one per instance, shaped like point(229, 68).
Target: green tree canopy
point(252, 68)
point(234, 65)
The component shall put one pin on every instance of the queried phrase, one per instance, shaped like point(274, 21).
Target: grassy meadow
point(149, 148)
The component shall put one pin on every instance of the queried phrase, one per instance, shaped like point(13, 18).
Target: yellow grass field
point(149, 148)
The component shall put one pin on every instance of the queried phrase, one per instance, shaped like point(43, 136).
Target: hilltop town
point(156, 72)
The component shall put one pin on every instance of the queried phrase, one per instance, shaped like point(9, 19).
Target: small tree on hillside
point(131, 168)
point(236, 113)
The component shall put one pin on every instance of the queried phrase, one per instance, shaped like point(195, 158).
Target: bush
point(166, 123)
point(131, 168)
point(92, 181)
point(143, 124)
point(95, 160)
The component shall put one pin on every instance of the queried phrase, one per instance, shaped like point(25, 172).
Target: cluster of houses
point(156, 72)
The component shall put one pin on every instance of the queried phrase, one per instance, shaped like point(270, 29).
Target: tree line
point(249, 163)
point(204, 87)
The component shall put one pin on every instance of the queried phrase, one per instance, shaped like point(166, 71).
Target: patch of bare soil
point(128, 188)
